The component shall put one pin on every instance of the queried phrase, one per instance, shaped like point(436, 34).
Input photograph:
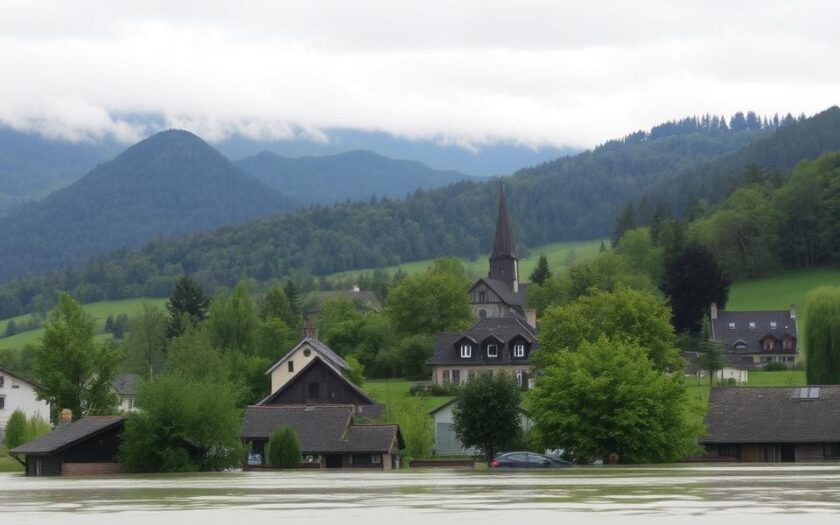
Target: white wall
point(446, 442)
point(20, 395)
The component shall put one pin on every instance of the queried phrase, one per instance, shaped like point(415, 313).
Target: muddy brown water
point(675, 494)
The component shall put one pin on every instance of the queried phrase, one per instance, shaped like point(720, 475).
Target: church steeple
point(504, 265)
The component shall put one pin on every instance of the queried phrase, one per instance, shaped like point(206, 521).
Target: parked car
point(528, 460)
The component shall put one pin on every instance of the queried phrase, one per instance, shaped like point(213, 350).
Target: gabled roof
point(503, 239)
point(752, 337)
point(321, 429)
point(325, 351)
point(310, 364)
point(505, 329)
point(126, 384)
point(508, 296)
point(67, 435)
point(773, 415)
point(4, 371)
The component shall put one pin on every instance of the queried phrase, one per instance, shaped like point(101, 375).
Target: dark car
point(528, 460)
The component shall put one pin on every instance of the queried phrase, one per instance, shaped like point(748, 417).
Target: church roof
point(508, 296)
point(503, 241)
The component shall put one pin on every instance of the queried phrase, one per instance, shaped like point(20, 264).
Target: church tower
point(504, 265)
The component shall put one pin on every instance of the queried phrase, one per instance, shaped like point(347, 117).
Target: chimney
point(713, 313)
point(793, 311)
point(65, 416)
point(531, 317)
point(310, 326)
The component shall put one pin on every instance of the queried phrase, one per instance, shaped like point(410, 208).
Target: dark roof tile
point(71, 433)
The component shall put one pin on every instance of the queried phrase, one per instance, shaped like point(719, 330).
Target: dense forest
point(355, 175)
point(571, 198)
point(170, 184)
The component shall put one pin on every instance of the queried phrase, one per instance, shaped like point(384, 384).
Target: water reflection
point(726, 494)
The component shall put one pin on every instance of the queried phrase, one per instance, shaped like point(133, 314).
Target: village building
point(329, 436)
point(774, 424)
point(755, 338)
point(446, 440)
point(506, 332)
point(87, 447)
point(731, 372)
point(19, 393)
point(125, 387)
point(493, 345)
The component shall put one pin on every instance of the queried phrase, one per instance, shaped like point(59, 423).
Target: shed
point(88, 446)
point(447, 442)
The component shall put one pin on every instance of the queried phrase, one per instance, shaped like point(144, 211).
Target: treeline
point(567, 199)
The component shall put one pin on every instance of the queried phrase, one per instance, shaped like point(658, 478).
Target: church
point(502, 340)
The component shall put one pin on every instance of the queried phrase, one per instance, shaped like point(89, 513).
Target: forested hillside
point(356, 175)
point(170, 184)
point(570, 198)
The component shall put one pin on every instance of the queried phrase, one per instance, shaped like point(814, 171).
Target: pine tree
point(187, 299)
point(293, 298)
point(626, 221)
point(541, 273)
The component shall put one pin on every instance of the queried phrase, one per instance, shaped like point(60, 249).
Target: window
point(482, 314)
point(446, 379)
point(470, 375)
point(2, 402)
point(807, 392)
point(519, 350)
point(768, 344)
point(2, 381)
point(307, 352)
point(773, 325)
point(466, 351)
point(732, 326)
point(787, 343)
point(520, 378)
point(456, 377)
point(492, 350)
point(362, 459)
point(314, 390)
point(752, 326)
point(291, 366)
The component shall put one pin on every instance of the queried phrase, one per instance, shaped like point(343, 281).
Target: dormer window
point(466, 351)
point(492, 350)
point(732, 326)
point(772, 325)
point(787, 343)
point(740, 345)
point(768, 344)
point(752, 326)
point(519, 350)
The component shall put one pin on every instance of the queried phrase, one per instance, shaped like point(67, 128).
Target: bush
point(37, 427)
point(283, 448)
point(775, 366)
point(16, 430)
point(425, 389)
point(417, 427)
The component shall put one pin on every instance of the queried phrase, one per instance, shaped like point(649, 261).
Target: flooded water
point(679, 494)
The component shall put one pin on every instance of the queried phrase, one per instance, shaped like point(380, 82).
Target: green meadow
point(99, 311)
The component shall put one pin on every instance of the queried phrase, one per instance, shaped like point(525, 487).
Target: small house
point(753, 339)
point(774, 424)
point(446, 440)
point(87, 447)
point(329, 436)
point(19, 393)
point(125, 387)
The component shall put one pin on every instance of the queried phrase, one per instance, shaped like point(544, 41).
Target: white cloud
point(467, 72)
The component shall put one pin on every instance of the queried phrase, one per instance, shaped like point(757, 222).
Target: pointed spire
point(503, 242)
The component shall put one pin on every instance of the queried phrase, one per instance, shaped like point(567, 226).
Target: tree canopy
point(822, 332)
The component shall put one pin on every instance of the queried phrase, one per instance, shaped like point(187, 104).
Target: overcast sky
point(537, 72)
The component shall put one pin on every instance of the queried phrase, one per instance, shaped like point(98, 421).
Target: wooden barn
point(86, 447)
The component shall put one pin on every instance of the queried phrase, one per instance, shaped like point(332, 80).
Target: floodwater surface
point(677, 494)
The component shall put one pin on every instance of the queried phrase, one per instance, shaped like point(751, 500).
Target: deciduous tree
point(693, 281)
point(822, 359)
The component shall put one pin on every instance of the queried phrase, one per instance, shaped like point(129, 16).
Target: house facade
point(299, 357)
point(754, 339)
point(329, 436)
point(500, 345)
point(19, 393)
point(774, 424)
point(125, 387)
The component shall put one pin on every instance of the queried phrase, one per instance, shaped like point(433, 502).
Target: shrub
point(283, 448)
point(16, 430)
point(425, 389)
point(775, 366)
point(417, 427)
point(36, 427)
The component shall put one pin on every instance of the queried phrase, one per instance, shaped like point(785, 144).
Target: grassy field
point(8, 464)
point(387, 391)
point(99, 311)
point(559, 254)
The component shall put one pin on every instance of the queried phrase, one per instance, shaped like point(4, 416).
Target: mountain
point(31, 166)
point(170, 184)
point(482, 159)
point(355, 175)
point(570, 198)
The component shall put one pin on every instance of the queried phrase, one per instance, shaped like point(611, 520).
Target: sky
point(466, 72)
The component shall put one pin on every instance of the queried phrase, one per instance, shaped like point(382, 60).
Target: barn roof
point(65, 436)
point(806, 414)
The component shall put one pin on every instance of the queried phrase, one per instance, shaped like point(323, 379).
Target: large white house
point(17, 393)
